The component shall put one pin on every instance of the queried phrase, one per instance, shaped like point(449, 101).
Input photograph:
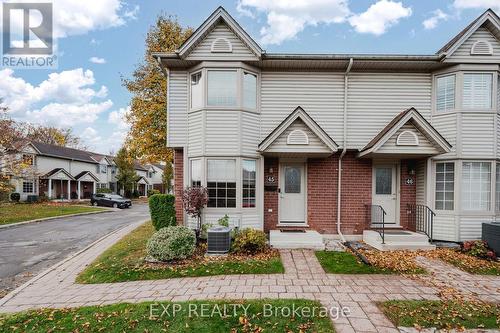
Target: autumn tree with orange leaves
point(147, 137)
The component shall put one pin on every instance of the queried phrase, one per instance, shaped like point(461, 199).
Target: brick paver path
point(303, 278)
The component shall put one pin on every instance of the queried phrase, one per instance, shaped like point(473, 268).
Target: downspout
point(344, 150)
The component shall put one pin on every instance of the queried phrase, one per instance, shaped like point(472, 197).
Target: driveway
point(28, 249)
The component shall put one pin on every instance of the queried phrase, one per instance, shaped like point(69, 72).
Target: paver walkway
point(303, 278)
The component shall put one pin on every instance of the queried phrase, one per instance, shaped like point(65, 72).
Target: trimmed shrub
point(15, 197)
point(171, 243)
point(162, 210)
point(153, 192)
point(249, 241)
point(478, 248)
point(136, 194)
point(104, 190)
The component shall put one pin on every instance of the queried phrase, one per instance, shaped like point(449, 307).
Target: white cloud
point(286, 18)
point(68, 115)
point(96, 60)
point(67, 87)
point(471, 4)
point(90, 136)
point(79, 17)
point(118, 118)
point(379, 17)
point(433, 21)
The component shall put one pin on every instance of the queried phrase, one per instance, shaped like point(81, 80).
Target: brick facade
point(178, 184)
point(271, 193)
point(408, 193)
point(322, 176)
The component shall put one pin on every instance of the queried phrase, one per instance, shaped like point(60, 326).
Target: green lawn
point(124, 261)
point(136, 318)
point(442, 314)
point(14, 213)
point(345, 263)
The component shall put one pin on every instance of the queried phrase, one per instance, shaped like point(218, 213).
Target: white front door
point(292, 194)
point(385, 191)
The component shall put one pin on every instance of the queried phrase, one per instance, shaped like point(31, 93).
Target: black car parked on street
point(110, 200)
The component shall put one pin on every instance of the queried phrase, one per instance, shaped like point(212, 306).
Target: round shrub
point(162, 210)
point(15, 197)
point(172, 243)
point(250, 241)
point(152, 192)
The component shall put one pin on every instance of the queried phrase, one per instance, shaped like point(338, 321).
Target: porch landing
point(296, 239)
point(397, 240)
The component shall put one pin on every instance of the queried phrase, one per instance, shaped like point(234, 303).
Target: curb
point(105, 210)
point(16, 291)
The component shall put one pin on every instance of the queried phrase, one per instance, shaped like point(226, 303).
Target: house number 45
point(409, 181)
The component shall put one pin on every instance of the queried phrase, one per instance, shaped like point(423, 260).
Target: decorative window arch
point(221, 45)
point(297, 137)
point(407, 138)
point(481, 47)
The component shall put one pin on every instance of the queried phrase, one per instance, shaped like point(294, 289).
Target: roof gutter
point(344, 149)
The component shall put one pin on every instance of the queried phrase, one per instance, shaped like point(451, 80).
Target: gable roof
point(63, 152)
point(397, 122)
point(83, 173)
point(220, 14)
point(308, 121)
point(56, 171)
point(489, 17)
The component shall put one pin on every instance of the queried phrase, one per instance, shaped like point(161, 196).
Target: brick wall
point(270, 193)
point(408, 193)
point(178, 184)
point(322, 176)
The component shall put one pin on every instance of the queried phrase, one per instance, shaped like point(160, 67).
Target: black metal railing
point(376, 215)
point(421, 219)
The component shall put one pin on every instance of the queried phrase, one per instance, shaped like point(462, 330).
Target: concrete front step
point(309, 239)
point(401, 240)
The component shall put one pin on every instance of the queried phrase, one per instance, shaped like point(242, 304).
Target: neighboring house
point(66, 173)
point(267, 133)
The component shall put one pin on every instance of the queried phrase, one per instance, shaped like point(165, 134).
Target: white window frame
point(492, 91)
point(237, 179)
point(200, 161)
point(444, 200)
point(32, 182)
point(243, 72)
point(103, 168)
point(255, 185)
point(202, 90)
point(447, 75)
point(238, 99)
point(491, 185)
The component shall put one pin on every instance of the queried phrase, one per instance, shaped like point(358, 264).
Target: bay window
point(476, 186)
point(222, 88)
point(445, 93)
point(249, 90)
point(248, 183)
point(196, 173)
point(445, 186)
point(477, 92)
point(221, 183)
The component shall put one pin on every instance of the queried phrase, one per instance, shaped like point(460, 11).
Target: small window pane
point(445, 93)
point(477, 91)
point(383, 181)
point(476, 188)
point(221, 183)
point(196, 173)
point(196, 91)
point(28, 187)
point(249, 90)
point(292, 180)
point(248, 183)
point(222, 88)
point(445, 178)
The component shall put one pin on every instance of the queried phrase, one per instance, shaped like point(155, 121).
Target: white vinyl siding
point(476, 186)
point(463, 53)
point(177, 109)
point(477, 92)
point(445, 93)
point(497, 187)
point(445, 186)
point(222, 88)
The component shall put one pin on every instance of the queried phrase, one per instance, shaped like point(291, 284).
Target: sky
point(99, 42)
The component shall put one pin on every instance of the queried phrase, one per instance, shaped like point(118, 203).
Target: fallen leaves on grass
point(402, 262)
point(465, 261)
